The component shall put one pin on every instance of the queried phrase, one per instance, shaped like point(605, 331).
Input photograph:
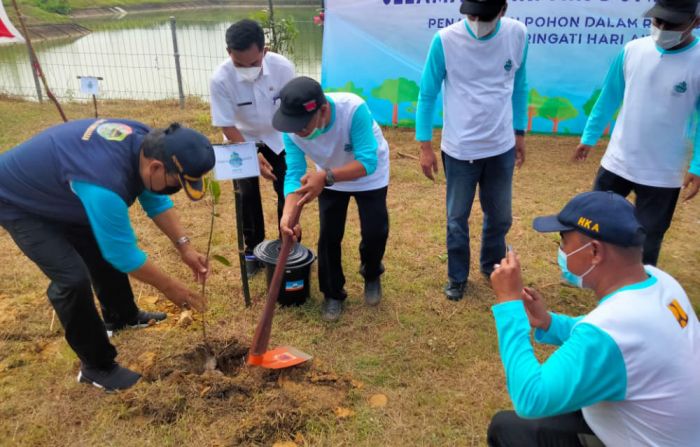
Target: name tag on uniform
point(248, 103)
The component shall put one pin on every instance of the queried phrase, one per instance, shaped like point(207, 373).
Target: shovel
point(283, 356)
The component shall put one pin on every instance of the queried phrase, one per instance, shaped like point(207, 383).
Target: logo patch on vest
point(681, 87)
point(90, 130)
point(349, 147)
point(509, 65)
point(114, 131)
point(678, 313)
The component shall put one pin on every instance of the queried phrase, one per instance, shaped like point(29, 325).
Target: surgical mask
point(165, 191)
point(574, 280)
point(482, 29)
point(666, 39)
point(249, 74)
point(313, 135)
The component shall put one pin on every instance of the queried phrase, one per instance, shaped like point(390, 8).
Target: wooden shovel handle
point(261, 339)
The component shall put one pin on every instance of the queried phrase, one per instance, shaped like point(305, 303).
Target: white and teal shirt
point(485, 95)
point(352, 134)
point(632, 365)
point(659, 91)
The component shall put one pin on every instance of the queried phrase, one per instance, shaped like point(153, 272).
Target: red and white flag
point(8, 33)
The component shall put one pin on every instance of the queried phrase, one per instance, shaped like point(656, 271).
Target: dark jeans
point(654, 208)
point(374, 229)
point(494, 176)
point(70, 257)
point(507, 429)
point(251, 202)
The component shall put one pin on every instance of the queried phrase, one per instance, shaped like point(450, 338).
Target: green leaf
point(215, 190)
point(222, 260)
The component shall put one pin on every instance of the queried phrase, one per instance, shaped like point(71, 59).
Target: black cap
point(604, 216)
point(486, 8)
point(299, 100)
point(192, 156)
point(674, 11)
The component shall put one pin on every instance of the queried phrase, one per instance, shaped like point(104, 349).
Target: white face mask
point(482, 29)
point(248, 74)
point(666, 39)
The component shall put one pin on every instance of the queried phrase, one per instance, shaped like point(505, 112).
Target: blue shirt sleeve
point(434, 73)
point(559, 330)
point(154, 204)
point(109, 219)
point(608, 102)
point(695, 162)
point(588, 368)
point(363, 140)
point(296, 165)
point(520, 94)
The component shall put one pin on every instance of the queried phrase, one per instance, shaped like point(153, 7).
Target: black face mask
point(167, 190)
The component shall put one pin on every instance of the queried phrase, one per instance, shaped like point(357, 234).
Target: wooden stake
point(37, 67)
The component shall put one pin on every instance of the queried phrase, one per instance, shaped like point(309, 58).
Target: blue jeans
point(494, 175)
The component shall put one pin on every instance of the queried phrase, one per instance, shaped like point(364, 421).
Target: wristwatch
point(330, 178)
point(183, 240)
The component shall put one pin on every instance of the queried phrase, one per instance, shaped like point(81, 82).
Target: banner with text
point(377, 48)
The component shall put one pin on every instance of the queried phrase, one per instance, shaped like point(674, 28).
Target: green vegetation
point(397, 91)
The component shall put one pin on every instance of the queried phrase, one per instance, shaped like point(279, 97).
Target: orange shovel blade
point(278, 358)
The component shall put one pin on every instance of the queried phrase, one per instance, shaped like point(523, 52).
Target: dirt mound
point(248, 406)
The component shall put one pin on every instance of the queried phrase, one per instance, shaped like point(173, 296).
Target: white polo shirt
point(249, 106)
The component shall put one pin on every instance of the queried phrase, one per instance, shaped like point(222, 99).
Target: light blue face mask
point(574, 280)
point(313, 135)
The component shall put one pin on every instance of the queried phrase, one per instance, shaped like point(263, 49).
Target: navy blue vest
point(35, 176)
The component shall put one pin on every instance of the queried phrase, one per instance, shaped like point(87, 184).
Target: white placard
point(236, 161)
point(89, 85)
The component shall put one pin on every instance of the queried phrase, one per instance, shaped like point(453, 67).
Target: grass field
point(436, 361)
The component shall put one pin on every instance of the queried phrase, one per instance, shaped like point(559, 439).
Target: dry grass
point(436, 361)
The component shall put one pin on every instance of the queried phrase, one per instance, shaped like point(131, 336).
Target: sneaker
point(112, 379)
point(332, 309)
point(454, 291)
point(373, 291)
point(142, 319)
point(252, 265)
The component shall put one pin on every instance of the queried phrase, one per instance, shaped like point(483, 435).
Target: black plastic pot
point(295, 283)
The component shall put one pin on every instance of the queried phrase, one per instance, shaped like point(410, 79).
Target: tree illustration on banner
point(534, 103)
point(349, 87)
point(397, 91)
point(557, 109)
point(588, 108)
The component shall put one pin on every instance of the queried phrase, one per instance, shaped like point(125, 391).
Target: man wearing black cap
point(337, 132)
point(627, 371)
point(481, 61)
point(64, 199)
point(244, 96)
point(656, 82)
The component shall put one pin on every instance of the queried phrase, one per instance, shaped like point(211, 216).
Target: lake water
point(135, 57)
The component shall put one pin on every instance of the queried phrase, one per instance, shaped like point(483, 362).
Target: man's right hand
point(266, 168)
point(536, 309)
point(581, 152)
point(183, 297)
point(285, 229)
point(428, 161)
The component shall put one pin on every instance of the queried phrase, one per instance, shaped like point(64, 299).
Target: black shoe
point(454, 291)
point(252, 265)
point(142, 319)
point(112, 379)
point(373, 291)
point(332, 309)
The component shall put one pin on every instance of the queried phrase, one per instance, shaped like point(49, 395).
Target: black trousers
point(654, 208)
point(374, 229)
point(69, 256)
point(507, 429)
point(251, 202)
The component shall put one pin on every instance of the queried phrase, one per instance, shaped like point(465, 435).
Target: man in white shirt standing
point(656, 80)
point(244, 97)
point(481, 61)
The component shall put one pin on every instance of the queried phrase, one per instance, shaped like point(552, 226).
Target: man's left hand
point(196, 262)
point(691, 186)
point(312, 186)
point(507, 280)
point(519, 150)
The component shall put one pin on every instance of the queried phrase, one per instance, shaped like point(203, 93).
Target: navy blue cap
point(604, 216)
point(192, 156)
point(300, 98)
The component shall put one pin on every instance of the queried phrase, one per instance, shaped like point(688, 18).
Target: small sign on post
point(90, 85)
